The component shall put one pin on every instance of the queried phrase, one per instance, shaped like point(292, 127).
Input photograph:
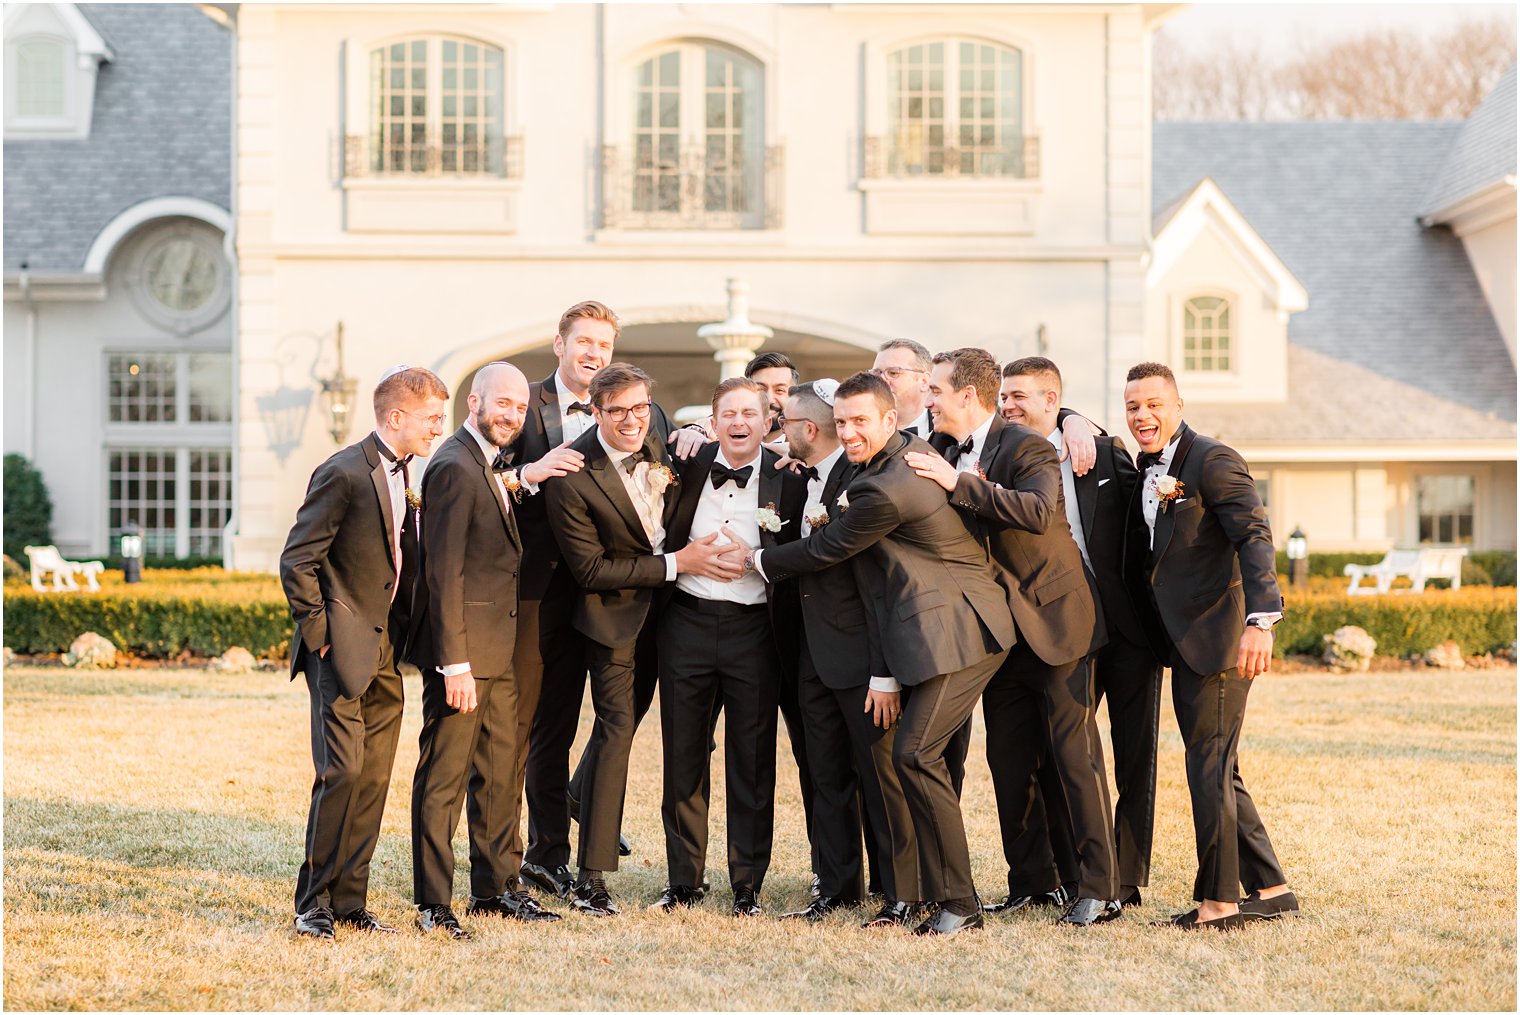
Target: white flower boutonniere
point(513, 482)
point(1168, 489)
point(817, 515)
point(660, 479)
point(413, 498)
point(768, 519)
point(844, 501)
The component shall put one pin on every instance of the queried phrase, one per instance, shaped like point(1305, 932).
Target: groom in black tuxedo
point(349, 570)
point(1201, 568)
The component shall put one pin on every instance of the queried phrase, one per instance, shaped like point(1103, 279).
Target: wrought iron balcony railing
point(692, 190)
point(1018, 159)
point(431, 155)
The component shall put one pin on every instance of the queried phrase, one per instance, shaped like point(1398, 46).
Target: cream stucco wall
point(1492, 252)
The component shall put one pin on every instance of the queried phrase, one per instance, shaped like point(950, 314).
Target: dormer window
point(52, 53)
point(41, 88)
point(1206, 335)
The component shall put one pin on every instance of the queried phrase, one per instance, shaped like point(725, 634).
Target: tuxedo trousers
point(718, 652)
point(1031, 706)
point(459, 752)
point(1043, 855)
point(557, 656)
point(1234, 850)
point(528, 677)
point(1128, 675)
point(353, 746)
point(849, 785)
point(932, 712)
point(603, 770)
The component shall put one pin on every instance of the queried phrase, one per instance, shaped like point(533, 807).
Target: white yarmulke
point(392, 372)
point(825, 389)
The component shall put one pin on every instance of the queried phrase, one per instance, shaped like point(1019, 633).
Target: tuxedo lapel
point(770, 492)
point(471, 445)
point(548, 407)
point(1087, 491)
point(837, 478)
point(380, 474)
point(989, 448)
point(655, 446)
point(605, 475)
point(1164, 511)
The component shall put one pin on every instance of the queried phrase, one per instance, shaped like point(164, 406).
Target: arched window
point(1206, 334)
point(41, 84)
point(437, 106)
point(956, 107)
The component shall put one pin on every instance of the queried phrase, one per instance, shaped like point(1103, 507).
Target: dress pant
point(788, 697)
point(1130, 677)
point(1031, 706)
point(528, 675)
point(478, 750)
point(558, 655)
point(353, 745)
point(851, 785)
point(932, 712)
point(1234, 851)
point(726, 653)
point(1043, 855)
point(604, 763)
point(955, 755)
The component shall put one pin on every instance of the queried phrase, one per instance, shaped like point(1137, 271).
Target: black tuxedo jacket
point(934, 607)
point(471, 557)
point(1018, 511)
point(338, 567)
point(1212, 561)
point(543, 430)
point(833, 613)
point(604, 545)
point(1103, 497)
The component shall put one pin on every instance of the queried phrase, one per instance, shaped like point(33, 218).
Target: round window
point(181, 274)
point(179, 278)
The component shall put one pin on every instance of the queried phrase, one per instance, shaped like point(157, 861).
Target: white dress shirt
point(572, 424)
point(649, 506)
point(815, 488)
point(969, 460)
point(923, 425)
point(489, 450)
point(1069, 494)
point(731, 506)
point(397, 486)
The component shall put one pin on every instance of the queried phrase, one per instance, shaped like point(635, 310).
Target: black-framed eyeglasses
point(781, 420)
point(618, 413)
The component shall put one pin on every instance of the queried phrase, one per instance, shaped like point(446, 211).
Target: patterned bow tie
point(953, 453)
point(503, 461)
point(722, 474)
point(575, 407)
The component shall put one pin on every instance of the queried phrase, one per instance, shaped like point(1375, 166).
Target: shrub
point(1479, 619)
point(1486, 567)
point(28, 508)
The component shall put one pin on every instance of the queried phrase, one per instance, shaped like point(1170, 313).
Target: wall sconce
point(338, 394)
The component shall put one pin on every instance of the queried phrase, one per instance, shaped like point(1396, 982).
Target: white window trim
point(1476, 472)
point(84, 50)
point(1178, 317)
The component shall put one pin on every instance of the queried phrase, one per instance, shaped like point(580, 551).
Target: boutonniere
point(413, 499)
point(660, 478)
point(513, 482)
point(844, 501)
point(768, 518)
point(817, 515)
point(981, 473)
point(1168, 489)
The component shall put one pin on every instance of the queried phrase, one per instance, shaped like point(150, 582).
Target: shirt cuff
point(531, 489)
point(670, 567)
point(758, 569)
point(886, 685)
point(1271, 618)
point(454, 669)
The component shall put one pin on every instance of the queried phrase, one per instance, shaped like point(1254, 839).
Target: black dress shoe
point(1285, 904)
point(675, 896)
point(625, 848)
point(893, 914)
point(820, 907)
point(1056, 898)
point(315, 923)
point(363, 919)
point(1129, 897)
point(1190, 921)
point(592, 898)
point(557, 882)
point(512, 904)
point(1086, 912)
point(945, 922)
point(746, 902)
point(431, 918)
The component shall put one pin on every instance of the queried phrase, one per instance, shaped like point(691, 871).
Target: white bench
point(46, 560)
point(1419, 566)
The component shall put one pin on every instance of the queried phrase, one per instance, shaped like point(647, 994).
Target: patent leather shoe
point(820, 908)
point(363, 919)
point(557, 882)
point(677, 896)
point(592, 898)
point(945, 922)
point(431, 918)
point(1086, 912)
point(893, 914)
point(512, 904)
point(315, 923)
point(746, 902)
point(1056, 898)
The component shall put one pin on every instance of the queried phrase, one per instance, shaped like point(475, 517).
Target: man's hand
point(687, 442)
point(933, 467)
point(702, 558)
point(885, 707)
point(559, 462)
point(459, 691)
point(1077, 437)
point(788, 462)
point(1255, 652)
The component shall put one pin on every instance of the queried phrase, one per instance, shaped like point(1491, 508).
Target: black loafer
point(363, 919)
point(893, 914)
point(1087, 912)
point(1190, 921)
point(747, 902)
point(820, 907)
point(431, 918)
point(1056, 898)
point(592, 898)
point(677, 896)
point(1285, 904)
point(945, 922)
point(316, 924)
point(557, 882)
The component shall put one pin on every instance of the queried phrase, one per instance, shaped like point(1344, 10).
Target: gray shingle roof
point(1484, 151)
point(1338, 203)
point(162, 127)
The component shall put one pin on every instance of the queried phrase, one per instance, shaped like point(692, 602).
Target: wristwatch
point(1260, 622)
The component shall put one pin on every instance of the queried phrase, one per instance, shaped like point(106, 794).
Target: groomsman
point(1200, 564)
point(1125, 670)
point(723, 645)
point(939, 625)
point(610, 520)
point(349, 570)
point(904, 364)
point(472, 556)
point(834, 678)
point(1007, 479)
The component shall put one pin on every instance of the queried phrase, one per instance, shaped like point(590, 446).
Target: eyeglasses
point(781, 420)
point(435, 422)
point(896, 372)
point(618, 413)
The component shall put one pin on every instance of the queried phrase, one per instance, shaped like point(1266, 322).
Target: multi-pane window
point(1446, 508)
point(955, 107)
point(142, 387)
point(143, 492)
point(437, 106)
point(1206, 334)
point(210, 480)
point(41, 82)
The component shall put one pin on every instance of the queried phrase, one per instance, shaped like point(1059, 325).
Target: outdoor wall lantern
point(338, 393)
point(1298, 557)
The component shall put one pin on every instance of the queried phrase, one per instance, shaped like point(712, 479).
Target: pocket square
point(1102, 481)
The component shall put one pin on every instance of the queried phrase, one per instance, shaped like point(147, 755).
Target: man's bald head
point(499, 402)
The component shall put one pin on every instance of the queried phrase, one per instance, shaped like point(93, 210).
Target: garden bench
point(46, 560)
point(1419, 566)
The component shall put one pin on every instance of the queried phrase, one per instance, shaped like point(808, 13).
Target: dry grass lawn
point(153, 822)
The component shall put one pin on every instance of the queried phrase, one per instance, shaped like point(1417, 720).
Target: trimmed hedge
point(1478, 619)
point(1486, 567)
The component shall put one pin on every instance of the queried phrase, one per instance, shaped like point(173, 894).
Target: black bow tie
point(809, 472)
point(632, 461)
point(503, 461)
point(954, 452)
point(574, 407)
point(722, 474)
point(1149, 458)
point(397, 464)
